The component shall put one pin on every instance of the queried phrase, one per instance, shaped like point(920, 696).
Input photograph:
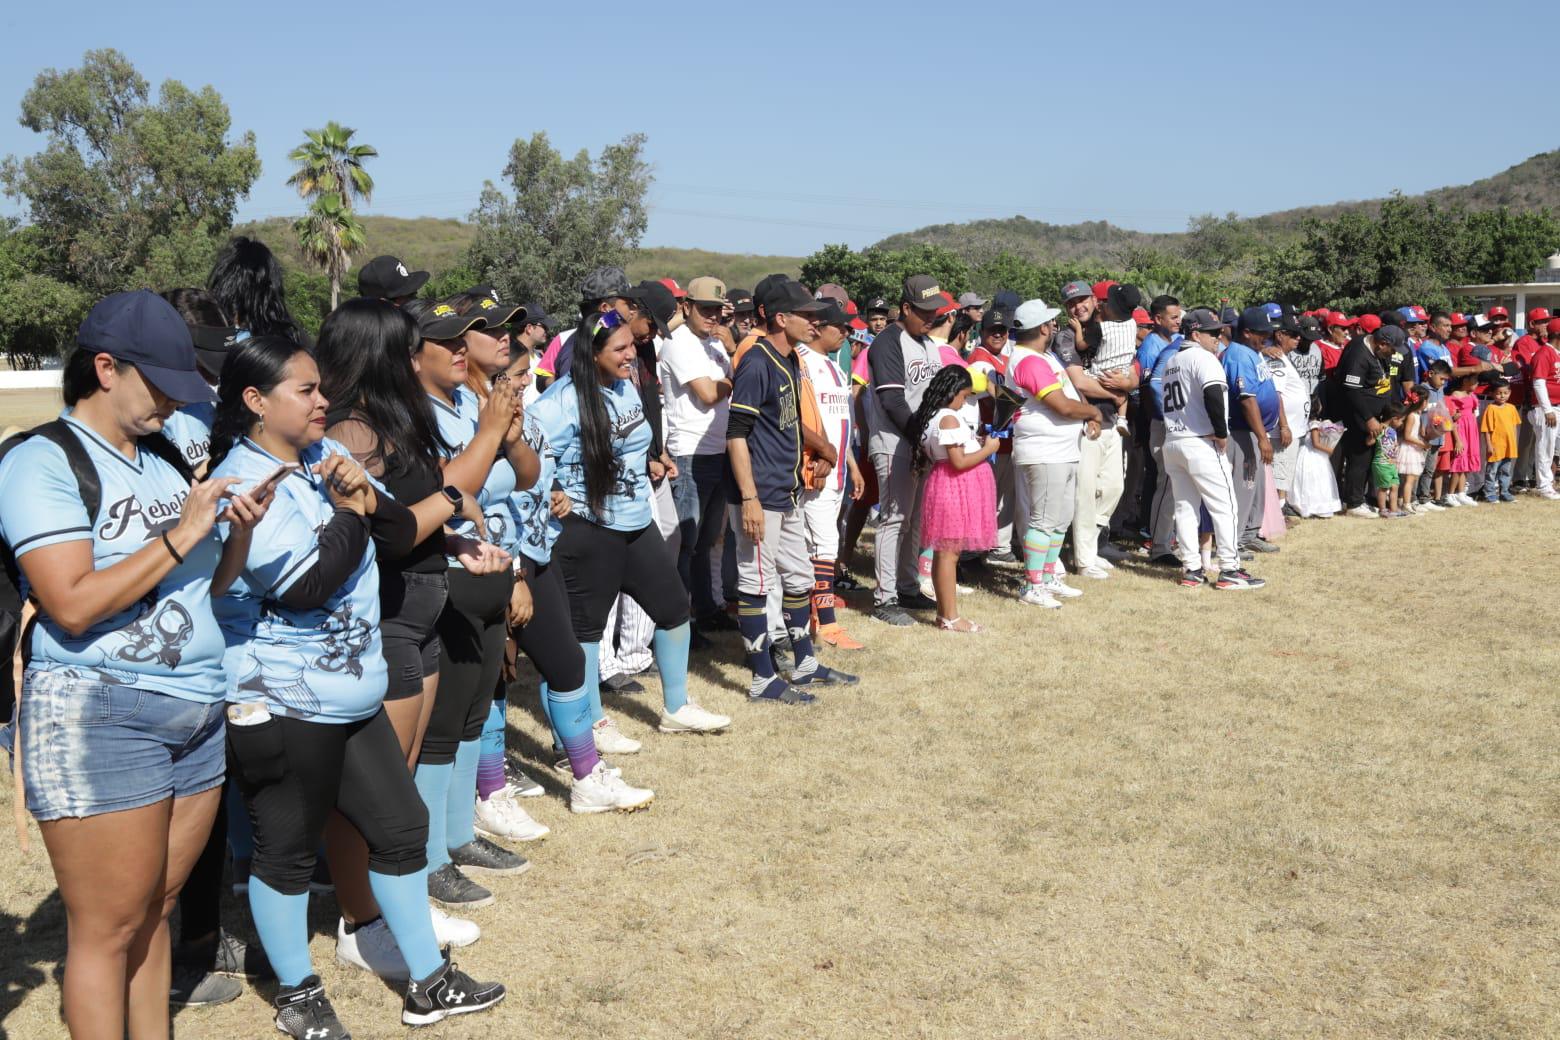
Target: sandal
point(958, 624)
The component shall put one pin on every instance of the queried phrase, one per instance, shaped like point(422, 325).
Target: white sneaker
point(501, 817)
point(1363, 512)
point(610, 740)
point(603, 791)
point(930, 591)
point(1467, 499)
point(453, 931)
point(1057, 587)
point(371, 948)
point(1038, 596)
point(1095, 571)
point(1104, 564)
point(1431, 507)
point(1550, 494)
point(691, 718)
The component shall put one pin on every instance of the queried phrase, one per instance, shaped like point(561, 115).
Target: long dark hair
point(595, 424)
point(260, 363)
point(247, 281)
point(197, 307)
point(940, 392)
point(365, 358)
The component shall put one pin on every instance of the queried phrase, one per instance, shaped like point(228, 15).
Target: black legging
point(598, 563)
point(292, 773)
point(548, 638)
point(471, 631)
point(1356, 452)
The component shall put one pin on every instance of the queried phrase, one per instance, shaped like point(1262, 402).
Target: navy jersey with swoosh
point(766, 386)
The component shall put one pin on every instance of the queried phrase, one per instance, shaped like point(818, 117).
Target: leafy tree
point(330, 172)
point(127, 192)
point(38, 313)
point(565, 218)
point(1500, 245)
point(881, 272)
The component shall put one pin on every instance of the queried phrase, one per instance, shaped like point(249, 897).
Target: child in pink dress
point(1464, 409)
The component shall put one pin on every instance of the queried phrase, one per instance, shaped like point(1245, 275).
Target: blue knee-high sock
point(282, 922)
point(241, 832)
point(671, 660)
point(403, 902)
point(797, 609)
point(433, 783)
point(570, 713)
point(753, 622)
point(462, 801)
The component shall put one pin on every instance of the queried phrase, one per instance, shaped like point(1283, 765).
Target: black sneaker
point(524, 786)
point(1164, 560)
point(1192, 579)
point(825, 677)
point(1108, 551)
point(195, 985)
point(781, 692)
point(305, 1013)
point(1001, 556)
point(622, 684)
point(449, 886)
point(892, 615)
point(448, 991)
point(484, 857)
point(916, 601)
point(1232, 581)
point(232, 956)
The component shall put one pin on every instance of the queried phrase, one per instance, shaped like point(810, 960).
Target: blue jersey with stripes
point(457, 426)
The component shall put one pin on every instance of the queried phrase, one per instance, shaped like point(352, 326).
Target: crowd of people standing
point(278, 586)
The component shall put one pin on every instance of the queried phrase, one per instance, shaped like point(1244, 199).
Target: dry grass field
point(1327, 809)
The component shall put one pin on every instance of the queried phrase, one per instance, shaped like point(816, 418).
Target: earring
point(262, 425)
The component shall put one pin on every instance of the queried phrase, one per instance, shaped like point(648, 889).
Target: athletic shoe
point(1431, 507)
point(930, 591)
point(449, 886)
point(501, 817)
point(889, 614)
point(448, 991)
point(691, 718)
point(1002, 556)
point(621, 684)
point(449, 930)
point(822, 676)
point(1362, 512)
point(371, 947)
point(1245, 555)
point(1445, 502)
point(1290, 511)
point(1054, 584)
point(1513, 498)
point(917, 601)
point(846, 582)
point(1465, 499)
point(1103, 564)
point(1193, 579)
point(778, 691)
point(304, 1012)
point(834, 635)
point(1394, 514)
point(1037, 596)
point(1231, 581)
point(604, 791)
point(481, 856)
point(523, 785)
point(226, 954)
point(1110, 554)
point(1164, 560)
point(1261, 545)
point(610, 740)
point(1551, 494)
point(1095, 571)
point(195, 985)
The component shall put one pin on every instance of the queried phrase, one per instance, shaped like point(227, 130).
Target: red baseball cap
point(1340, 319)
point(1538, 315)
point(1102, 289)
point(1141, 316)
point(948, 306)
point(1459, 320)
point(1498, 314)
point(1417, 314)
point(677, 291)
point(1369, 323)
point(1554, 326)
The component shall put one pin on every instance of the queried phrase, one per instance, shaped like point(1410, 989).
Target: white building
point(1519, 297)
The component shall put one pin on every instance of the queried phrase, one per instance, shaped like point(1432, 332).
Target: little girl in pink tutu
point(959, 505)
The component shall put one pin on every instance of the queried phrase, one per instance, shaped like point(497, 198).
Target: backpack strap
point(59, 433)
point(163, 448)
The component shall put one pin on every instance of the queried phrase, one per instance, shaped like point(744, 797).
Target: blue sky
point(776, 129)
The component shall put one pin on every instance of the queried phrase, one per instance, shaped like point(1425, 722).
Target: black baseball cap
point(213, 344)
point(492, 308)
point(1125, 298)
point(1307, 328)
point(1256, 319)
point(440, 320)
point(922, 292)
point(996, 319)
point(1201, 319)
point(655, 300)
point(832, 313)
point(876, 305)
point(740, 299)
point(386, 278)
point(789, 297)
point(605, 283)
point(143, 329)
point(535, 314)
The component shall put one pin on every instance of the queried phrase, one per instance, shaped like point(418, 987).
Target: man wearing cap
point(1523, 350)
point(972, 304)
point(988, 356)
point(741, 302)
point(1051, 422)
point(386, 278)
point(1197, 400)
point(1362, 392)
point(695, 365)
point(1255, 416)
point(876, 315)
point(764, 441)
point(1156, 507)
point(604, 289)
point(1340, 329)
point(902, 360)
point(1544, 399)
point(1294, 399)
point(1101, 476)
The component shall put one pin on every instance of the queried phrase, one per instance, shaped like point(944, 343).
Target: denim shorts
point(91, 747)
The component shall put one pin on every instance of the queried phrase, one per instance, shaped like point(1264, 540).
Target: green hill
point(735, 269)
point(424, 243)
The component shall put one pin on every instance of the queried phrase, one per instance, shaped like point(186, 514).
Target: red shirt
point(1541, 369)
point(1331, 353)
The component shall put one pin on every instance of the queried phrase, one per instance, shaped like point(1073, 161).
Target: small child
point(1437, 425)
point(1460, 453)
point(959, 503)
point(1500, 423)
point(1383, 467)
point(1315, 488)
point(1412, 448)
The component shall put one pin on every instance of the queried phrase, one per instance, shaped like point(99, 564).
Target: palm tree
point(329, 234)
point(330, 167)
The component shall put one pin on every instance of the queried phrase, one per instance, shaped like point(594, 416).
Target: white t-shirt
point(1186, 375)
point(831, 392)
point(937, 440)
point(1293, 394)
point(693, 427)
point(1039, 434)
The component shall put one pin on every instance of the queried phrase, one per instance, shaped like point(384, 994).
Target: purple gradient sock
point(490, 766)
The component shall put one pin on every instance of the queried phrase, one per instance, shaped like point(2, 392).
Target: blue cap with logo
point(142, 329)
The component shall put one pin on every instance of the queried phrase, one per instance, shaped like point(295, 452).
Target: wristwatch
point(456, 499)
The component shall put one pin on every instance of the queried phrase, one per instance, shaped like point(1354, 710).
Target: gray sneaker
point(195, 985)
point(1261, 545)
point(890, 614)
point(450, 887)
point(484, 857)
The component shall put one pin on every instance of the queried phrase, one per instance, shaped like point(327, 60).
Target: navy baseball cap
point(142, 329)
point(1255, 319)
